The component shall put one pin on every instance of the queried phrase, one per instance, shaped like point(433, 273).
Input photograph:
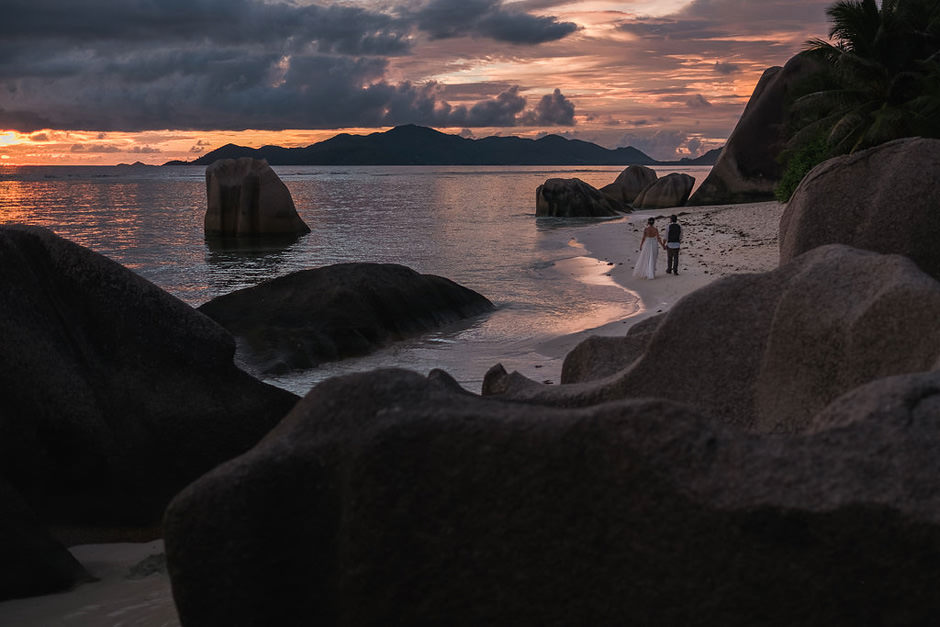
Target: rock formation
point(882, 199)
point(31, 561)
point(629, 184)
point(766, 352)
point(389, 498)
point(116, 394)
point(312, 316)
point(747, 169)
point(246, 197)
point(572, 198)
point(599, 357)
point(671, 190)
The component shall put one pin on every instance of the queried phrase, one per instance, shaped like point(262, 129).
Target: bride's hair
point(650, 221)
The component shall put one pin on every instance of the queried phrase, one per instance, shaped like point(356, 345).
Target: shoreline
point(718, 240)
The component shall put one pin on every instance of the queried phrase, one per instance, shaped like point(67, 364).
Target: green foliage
point(881, 82)
point(798, 164)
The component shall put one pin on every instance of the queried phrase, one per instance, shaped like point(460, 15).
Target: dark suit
point(673, 237)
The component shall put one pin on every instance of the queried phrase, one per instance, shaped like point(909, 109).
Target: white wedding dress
point(646, 264)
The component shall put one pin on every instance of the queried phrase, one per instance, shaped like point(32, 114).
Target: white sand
point(718, 241)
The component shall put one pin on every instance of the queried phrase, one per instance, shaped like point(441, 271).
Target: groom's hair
point(673, 218)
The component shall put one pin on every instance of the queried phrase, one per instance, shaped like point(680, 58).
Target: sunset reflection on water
point(473, 225)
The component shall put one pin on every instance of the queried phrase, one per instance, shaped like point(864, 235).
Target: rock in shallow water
point(573, 198)
point(245, 197)
point(305, 318)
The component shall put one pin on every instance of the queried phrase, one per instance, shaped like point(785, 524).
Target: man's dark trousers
point(672, 260)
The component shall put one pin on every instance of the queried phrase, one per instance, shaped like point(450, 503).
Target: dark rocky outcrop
point(628, 185)
point(32, 562)
point(573, 198)
point(598, 357)
point(747, 169)
point(766, 352)
point(329, 313)
point(671, 190)
point(388, 498)
point(246, 198)
point(882, 199)
point(116, 394)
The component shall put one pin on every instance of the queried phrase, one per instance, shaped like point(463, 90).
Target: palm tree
point(881, 82)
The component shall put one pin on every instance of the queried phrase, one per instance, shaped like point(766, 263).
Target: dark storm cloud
point(553, 109)
point(444, 19)
point(136, 65)
point(345, 29)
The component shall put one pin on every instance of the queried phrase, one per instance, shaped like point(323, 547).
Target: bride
point(646, 264)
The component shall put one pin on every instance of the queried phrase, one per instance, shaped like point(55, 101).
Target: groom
point(673, 239)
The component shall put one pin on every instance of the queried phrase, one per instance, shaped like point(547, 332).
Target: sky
point(119, 81)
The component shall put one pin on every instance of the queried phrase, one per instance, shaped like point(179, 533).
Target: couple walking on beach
point(646, 264)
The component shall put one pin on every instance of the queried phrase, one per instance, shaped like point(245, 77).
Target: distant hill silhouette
point(419, 145)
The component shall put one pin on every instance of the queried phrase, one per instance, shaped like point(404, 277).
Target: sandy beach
point(133, 588)
point(717, 241)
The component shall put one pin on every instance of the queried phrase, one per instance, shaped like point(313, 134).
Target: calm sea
point(474, 225)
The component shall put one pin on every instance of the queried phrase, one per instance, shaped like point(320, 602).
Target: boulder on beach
point(766, 352)
point(32, 562)
point(598, 357)
point(747, 169)
point(573, 198)
point(882, 199)
point(671, 190)
point(390, 498)
point(629, 184)
point(116, 394)
point(246, 197)
point(305, 318)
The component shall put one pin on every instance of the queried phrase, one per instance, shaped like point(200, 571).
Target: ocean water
point(474, 225)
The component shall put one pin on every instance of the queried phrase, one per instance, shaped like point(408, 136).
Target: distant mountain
point(419, 145)
point(709, 158)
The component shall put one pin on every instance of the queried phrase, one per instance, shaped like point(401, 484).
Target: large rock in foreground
point(246, 197)
point(629, 183)
point(387, 498)
point(766, 352)
point(573, 198)
point(305, 318)
point(115, 393)
point(883, 199)
point(747, 169)
point(671, 190)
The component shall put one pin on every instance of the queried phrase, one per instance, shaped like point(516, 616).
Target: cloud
point(444, 19)
point(727, 68)
point(95, 148)
point(662, 144)
point(553, 109)
point(235, 64)
point(697, 101)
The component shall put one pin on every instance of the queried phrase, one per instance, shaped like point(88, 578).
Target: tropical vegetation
point(879, 80)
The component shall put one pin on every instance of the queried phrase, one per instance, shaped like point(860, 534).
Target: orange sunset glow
point(670, 78)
